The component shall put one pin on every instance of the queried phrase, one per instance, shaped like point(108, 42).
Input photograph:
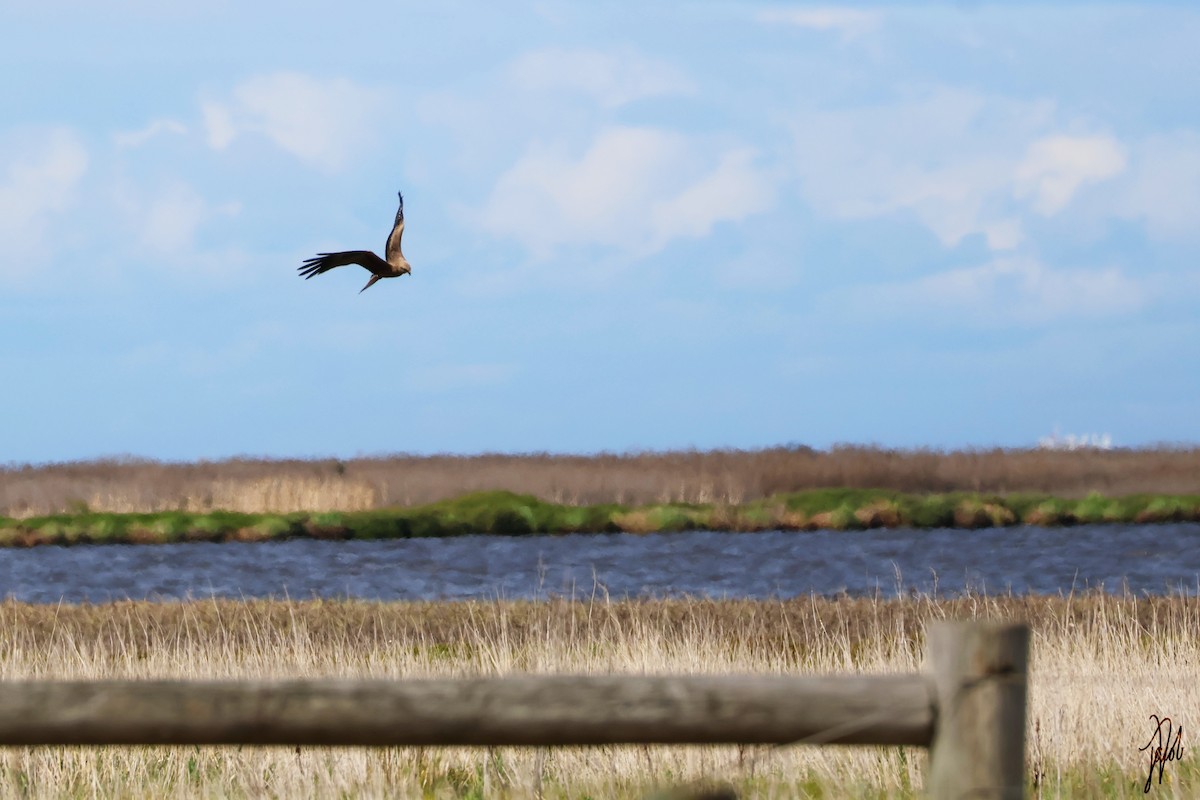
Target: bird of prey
point(392, 265)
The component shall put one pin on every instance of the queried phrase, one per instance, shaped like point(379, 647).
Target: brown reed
point(1100, 666)
point(717, 476)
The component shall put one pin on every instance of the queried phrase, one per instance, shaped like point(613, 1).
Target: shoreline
point(507, 514)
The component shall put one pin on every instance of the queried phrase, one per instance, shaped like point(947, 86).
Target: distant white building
point(1071, 441)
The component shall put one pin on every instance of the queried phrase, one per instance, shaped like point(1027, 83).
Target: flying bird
point(392, 265)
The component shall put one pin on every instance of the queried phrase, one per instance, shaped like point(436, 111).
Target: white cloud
point(634, 189)
point(39, 181)
point(732, 191)
point(1010, 290)
point(550, 94)
point(163, 224)
point(612, 78)
point(1162, 185)
point(964, 164)
point(848, 22)
point(923, 155)
point(1055, 167)
point(959, 162)
point(1003, 234)
point(218, 122)
point(169, 220)
point(156, 128)
point(320, 121)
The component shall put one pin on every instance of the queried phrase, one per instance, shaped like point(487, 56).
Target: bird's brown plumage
point(392, 266)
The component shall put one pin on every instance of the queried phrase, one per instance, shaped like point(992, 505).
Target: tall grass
point(730, 477)
point(1100, 666)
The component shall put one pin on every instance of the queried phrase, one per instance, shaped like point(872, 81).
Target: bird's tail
point(369, 284)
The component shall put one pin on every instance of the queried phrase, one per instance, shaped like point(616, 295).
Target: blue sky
point(631, 225)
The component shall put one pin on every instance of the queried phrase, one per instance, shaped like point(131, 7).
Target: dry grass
point(1101, 665)
point(729, 477)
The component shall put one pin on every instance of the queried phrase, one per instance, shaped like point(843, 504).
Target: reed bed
point(1101, 665)
point(717, 477)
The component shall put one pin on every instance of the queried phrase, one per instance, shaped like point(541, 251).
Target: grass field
point(509, 514)
point(1101, 665)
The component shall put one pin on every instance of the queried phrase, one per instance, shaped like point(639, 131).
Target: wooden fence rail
point(969, 709)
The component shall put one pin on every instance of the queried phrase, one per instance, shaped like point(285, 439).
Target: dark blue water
point(1155, 559)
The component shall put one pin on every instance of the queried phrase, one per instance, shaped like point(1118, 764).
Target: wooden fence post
point(979, 673)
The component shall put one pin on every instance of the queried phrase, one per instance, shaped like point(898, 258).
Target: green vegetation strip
point(510, 514)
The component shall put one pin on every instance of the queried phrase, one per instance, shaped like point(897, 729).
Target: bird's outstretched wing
point(323, 262)
point(392, 250)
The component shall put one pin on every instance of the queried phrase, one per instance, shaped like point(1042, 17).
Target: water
point(1153, 559)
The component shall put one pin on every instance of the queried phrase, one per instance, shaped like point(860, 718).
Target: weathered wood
point(542, 710)
point(970, 711)
point(979, 671)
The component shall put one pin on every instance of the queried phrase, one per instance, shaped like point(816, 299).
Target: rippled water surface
point(1155, 559)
